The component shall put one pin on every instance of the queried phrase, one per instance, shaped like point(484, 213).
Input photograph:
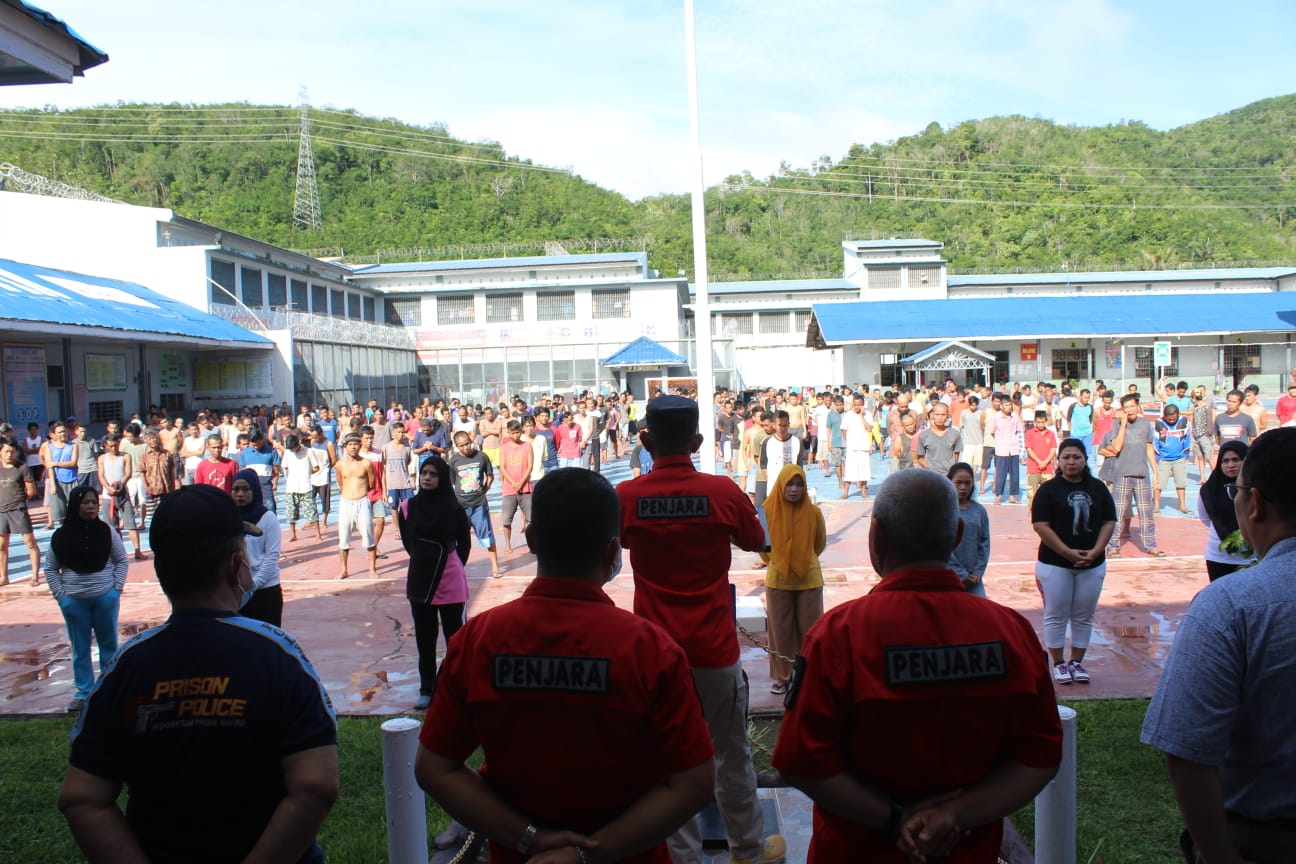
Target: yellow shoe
point(773, 852)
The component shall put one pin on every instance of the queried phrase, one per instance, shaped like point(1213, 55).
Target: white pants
point(1070, 597)
point(355, 514)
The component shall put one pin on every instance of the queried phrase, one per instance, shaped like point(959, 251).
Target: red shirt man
point(582, 709)
point(917, 654)
point(216, 470)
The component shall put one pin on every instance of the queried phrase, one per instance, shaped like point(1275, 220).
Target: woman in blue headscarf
point(266, 602)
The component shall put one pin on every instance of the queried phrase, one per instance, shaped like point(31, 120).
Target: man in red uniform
point(678, 525)
point(964, 677)
point(594, 740)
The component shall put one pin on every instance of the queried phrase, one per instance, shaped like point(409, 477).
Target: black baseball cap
point(671, 410)
point(193, 519)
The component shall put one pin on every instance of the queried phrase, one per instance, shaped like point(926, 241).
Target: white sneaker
point(1061, 673)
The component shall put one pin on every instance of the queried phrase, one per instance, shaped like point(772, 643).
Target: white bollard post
point(406, 810)
point(1055, 806)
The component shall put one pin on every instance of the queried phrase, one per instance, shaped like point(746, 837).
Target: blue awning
point(52, 302)
point(1091, 315)
point(645, 352)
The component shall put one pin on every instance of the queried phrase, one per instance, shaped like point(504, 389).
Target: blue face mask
point(616, 567)
point(247, 597)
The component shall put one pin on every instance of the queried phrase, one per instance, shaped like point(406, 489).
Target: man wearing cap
point(674, 508)
point(216, 724)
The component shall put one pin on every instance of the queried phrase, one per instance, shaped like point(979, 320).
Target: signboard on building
point(24, 376)
point(1161, 353)
point(105, 371)
point(1029, 351)
point(172, 371)
point(1113, 352)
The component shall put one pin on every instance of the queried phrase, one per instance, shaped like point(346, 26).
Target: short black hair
point(576, 514)
point(1271, 470)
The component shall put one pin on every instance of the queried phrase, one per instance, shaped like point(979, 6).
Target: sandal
point(1113, 553)
point(778, 688)
point(1156, 553)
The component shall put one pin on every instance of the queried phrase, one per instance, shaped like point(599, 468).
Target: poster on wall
point(105, 371)
point(1029, 351)
point(231, 378)
point(172, 372)
point(24, 375)
point(1113, 352)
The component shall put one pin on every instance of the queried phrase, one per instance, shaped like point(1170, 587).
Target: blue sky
point(599, 86)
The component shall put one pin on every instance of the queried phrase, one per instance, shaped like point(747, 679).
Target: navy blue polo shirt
point(194, 717)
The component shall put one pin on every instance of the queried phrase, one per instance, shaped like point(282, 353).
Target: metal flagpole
point(701, 305)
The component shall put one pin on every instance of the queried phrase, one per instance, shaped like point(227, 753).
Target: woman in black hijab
point(1215, 509)
point(434, 530)
point(85, 568)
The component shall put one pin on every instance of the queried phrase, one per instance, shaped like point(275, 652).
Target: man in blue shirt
point(1172, 445)
point(1225, 709)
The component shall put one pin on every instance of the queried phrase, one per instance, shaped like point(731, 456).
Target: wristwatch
point(528, 837)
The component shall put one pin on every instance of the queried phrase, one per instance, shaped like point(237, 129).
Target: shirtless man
point(1254, 408)
point(798, 415)
point(356, 476)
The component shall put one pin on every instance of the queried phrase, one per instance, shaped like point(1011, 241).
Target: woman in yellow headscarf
point(793, 580)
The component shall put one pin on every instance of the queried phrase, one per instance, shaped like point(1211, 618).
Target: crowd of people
point(1092, 459)
point(654, 700)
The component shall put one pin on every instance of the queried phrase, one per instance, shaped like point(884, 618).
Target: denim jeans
point(1007, 474)
point(84, 616)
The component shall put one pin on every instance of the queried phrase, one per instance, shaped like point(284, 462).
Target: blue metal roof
point(36, 295)
point(1086, 315)
point(891, 244)
point(777, 286)
point(640, 258)
point(88, 56)
point(1222, 274)
point(645, 352)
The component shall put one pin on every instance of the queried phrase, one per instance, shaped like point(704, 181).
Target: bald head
point(915, 521)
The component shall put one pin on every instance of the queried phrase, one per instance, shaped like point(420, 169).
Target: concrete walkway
point(358, 632)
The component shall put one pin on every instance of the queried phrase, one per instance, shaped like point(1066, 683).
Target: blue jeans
point(1006, 472)
point(84, 616)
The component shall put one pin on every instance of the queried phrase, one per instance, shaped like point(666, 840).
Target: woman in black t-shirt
point(1074, 516)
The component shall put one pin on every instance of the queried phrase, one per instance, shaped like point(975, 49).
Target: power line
point(881, 198)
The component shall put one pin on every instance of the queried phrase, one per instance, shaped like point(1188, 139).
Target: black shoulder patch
point(945, 664)
point(794, 685)
point(674, 507)
point(540, 672)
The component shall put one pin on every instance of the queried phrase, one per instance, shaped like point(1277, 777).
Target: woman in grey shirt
point(85, 568)
point(972, 555)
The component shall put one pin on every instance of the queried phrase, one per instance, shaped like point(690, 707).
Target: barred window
point(611, 303)
point(924, 276)
point(1070, 363)
point(405, 312)
point(253, 293)
point(555, 305)
point(102, 412)
point(456, 309)
point(773, 322)
point(172, 402)
point(1241, 360)
point(503, 308)
point(739, 325)
point(277, 289)
point(883, 279)
point(222, 273)
point(1145, 361)
point(337, 303)
point(800, 322)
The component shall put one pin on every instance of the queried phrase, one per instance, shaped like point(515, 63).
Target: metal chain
point(469, 846)
point(751, 637)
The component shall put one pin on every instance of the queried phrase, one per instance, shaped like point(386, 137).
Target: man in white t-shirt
point(298, 464)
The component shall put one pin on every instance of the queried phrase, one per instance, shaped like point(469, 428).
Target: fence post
point(406, 810)
point(1055, 806)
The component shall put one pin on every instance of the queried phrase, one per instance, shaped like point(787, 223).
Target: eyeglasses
point(1232, 489)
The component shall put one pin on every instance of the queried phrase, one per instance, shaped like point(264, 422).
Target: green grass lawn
point(1126, 812)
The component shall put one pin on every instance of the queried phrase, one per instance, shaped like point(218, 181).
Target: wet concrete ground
point(359, 636)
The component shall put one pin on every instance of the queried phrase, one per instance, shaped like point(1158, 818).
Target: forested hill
point(1002, 193)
